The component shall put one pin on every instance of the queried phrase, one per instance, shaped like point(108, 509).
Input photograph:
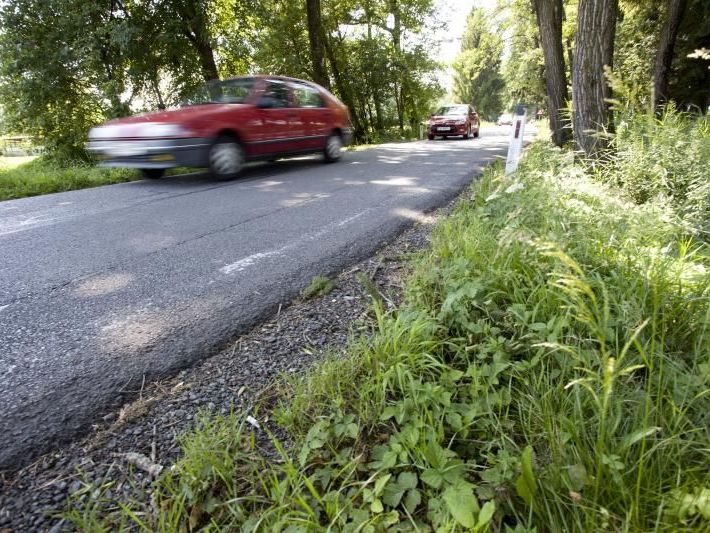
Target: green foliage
point(523, 66)
point(47, 175)
point(319, 286)
point(477, 77)
point(548, 371)
point(666, 159)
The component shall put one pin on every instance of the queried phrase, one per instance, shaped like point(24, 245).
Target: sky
point(454, 13)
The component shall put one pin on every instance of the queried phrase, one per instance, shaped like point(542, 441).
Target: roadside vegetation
point(548, 370)
point(43, 176)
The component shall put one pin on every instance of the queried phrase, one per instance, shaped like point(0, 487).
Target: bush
point(665, 159)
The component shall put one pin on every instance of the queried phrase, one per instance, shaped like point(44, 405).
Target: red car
point(454, 120)
point(226, 124)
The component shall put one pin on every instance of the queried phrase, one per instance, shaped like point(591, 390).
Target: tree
point(315, 37)
point(477, 77)
point(549, 18)
point(666, 44)
point(593, 52)
point(523, 65)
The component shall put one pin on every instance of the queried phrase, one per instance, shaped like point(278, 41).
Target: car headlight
point(153, 130)
point(461, 121)
point(103, 132)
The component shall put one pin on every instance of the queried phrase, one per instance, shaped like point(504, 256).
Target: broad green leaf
point(412, 500)
point(407, 480)
point(638, 435)
point(486, 514)
point(578, 476)
point(461, 503)
point(433, 478)
point(525, 484)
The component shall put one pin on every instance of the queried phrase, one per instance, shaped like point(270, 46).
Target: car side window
point(307, 96)
point(275, 95)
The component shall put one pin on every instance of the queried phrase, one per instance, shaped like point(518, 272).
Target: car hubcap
point(334, 147)
point(226, 158)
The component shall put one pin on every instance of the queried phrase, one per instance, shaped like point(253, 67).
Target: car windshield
point(234, 91)
point(452, 110)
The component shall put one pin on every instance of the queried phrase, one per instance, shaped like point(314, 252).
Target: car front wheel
point(333, 148)
point(226, 158)
point(476, 133)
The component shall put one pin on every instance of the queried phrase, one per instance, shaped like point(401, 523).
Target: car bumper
point(452, 130)
point(150, 153)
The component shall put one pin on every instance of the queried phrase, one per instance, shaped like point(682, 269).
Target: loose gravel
point(299, 335)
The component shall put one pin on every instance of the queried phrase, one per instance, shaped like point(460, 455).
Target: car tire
point(476, 134)
point(152, 173)
point(333, 150)
point(226, 158)
point(468, 133)
point(430, 137)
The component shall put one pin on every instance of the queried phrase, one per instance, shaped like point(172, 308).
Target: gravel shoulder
point(254, 365)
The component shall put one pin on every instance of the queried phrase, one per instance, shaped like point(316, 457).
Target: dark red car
point(454, 120)
point(226, 124)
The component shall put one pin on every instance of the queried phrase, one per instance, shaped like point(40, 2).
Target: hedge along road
point(104, 289)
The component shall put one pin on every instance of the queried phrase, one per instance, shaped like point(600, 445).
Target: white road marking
point(250, 260)
point(240, 265)
point(4, 306)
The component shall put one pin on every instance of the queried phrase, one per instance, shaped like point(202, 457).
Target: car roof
point(269, 77)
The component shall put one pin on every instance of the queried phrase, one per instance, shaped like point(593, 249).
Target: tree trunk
point(594, 49)
point(195, 29)
point(396, 32)
point(549, 20)
point(344, 90)
point(664, 55)
point(315, 37)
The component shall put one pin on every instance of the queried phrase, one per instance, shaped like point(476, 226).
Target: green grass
point(549, 370)
point(43, 176)
point(319, 286)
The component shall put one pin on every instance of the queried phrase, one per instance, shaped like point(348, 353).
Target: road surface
point(103, 289)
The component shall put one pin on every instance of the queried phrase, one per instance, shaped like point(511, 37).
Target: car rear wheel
point(333, 148)
point(468, 133)
point(152, 173)
point(476, 133)
point(226, 158)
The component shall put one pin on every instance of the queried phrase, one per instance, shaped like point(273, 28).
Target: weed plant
point(548, 371)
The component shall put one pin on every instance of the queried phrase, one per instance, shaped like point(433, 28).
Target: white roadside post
point(516, 140)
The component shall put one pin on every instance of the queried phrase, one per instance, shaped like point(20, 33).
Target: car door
point(279, 123)
point(315, 114)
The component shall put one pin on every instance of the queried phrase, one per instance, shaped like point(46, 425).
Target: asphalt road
point(104, 289)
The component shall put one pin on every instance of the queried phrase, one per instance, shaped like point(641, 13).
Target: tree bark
point(315, 37)
point(195, 29)
point(396, 33)
point(344, 90)
point(664, 55)
point(594, 49)
point(549, 20)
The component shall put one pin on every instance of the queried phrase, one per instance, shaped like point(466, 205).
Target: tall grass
point(548, 371)
point(45, 175)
